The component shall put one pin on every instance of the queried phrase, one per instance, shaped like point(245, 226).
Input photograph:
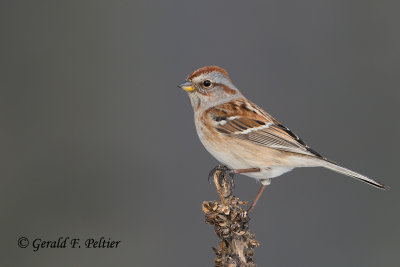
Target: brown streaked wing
point(244, 120)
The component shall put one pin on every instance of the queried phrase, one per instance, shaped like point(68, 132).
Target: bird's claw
point(223, 171)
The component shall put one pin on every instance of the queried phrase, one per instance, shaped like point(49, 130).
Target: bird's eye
point(206, 83)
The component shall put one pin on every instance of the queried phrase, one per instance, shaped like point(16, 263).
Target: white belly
point(234, 156)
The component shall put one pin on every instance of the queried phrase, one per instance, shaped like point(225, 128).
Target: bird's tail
point(334, 167)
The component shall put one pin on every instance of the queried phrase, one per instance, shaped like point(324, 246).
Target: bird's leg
point(264, 183)
point(260, 191)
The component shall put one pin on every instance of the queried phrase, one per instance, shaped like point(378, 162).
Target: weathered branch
point(230, 224)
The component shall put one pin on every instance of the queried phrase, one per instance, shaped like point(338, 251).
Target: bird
point(244, 137)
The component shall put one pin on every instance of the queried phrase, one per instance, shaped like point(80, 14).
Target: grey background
point(97, 140)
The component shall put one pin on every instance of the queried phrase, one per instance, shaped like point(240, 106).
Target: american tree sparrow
point(244, 137)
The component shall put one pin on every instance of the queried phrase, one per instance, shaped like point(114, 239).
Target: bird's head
point(209, 86)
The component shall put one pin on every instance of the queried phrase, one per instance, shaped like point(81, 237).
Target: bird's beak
point(187, 86)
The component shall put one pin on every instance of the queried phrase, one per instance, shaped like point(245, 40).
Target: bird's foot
point(225, 172)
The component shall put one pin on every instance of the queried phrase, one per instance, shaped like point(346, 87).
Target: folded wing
point(251, 123)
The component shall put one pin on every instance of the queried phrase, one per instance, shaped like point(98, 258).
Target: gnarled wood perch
point(230, 224)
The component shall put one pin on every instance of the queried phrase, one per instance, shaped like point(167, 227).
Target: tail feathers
point(334, 167)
